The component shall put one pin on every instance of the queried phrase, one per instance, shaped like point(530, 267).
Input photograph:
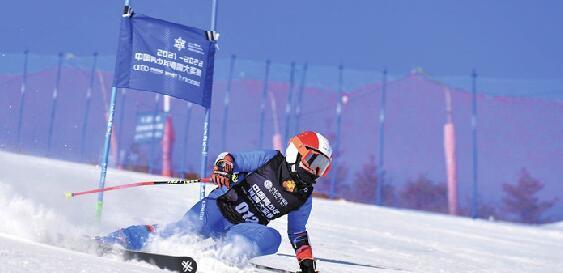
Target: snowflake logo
point(187, 266)
point(179, 43)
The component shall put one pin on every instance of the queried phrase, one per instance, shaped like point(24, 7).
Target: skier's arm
point(297, 231)
point(228, 163)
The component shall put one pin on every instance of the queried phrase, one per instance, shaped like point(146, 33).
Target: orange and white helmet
point(313, 150)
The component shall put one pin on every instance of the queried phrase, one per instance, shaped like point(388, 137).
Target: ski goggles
point(313, 160)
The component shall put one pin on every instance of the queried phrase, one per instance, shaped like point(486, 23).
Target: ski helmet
point(312, 150)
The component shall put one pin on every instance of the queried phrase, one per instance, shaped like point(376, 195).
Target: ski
point(273, 269)
point(172, 263)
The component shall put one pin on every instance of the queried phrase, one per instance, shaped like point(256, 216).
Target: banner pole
point(204, 151)
point(104, 163)
point(205, 141)
point(107, 141)
point(381, 177)
point(22, 100)
point(54, 105)
point(226, 103)
point(289, 102)
point(263, 104)
point(300, 99)
point(186, 136)
point(336, 153)
point(87, 107)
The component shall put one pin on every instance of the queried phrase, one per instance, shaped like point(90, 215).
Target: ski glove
point(223, 171)
point(308, 266)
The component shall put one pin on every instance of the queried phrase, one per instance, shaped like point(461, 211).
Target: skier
point(268, 186)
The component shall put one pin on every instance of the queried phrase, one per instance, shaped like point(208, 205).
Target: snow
point(41, 230)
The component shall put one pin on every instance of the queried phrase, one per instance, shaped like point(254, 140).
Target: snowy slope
point(39, 227)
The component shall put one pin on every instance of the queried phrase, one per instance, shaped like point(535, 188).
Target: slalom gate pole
point(107, 141)
point(139, 184)
point(204, 151)
point(105, 157)
point(207, 118)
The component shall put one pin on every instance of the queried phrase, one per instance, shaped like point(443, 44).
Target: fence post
point(474, 206)
point(226, 103)
point(336, 152)
point(87, 107)
point(54, 105)
point(300, 99)
point(22, 100)
point(263, 104)
point(289, 103)
point(381, 177)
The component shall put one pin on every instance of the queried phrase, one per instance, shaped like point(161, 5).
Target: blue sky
point(514, 39)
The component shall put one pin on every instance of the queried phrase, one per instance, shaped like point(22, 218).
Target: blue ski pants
point(208, 222)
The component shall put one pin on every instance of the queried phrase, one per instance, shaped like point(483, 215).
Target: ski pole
point(138, 184)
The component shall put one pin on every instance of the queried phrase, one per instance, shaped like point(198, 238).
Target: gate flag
point(168, 58)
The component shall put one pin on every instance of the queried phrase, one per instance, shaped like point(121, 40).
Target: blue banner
point(171, 59)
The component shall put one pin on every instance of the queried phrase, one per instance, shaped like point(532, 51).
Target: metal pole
point(154, 141)
point(337, 138)
point(104, 164)
point(474, 210)
point(107, 141)
point(119, 160)
point(205, 141)
point(289, 102)
point(381, 177)
point(54, 105)
point(87, 107)
point(186, 135)
point(300, 99)
point(226, 105)
point(263, 104)
point(204, 151)
point(22, 100)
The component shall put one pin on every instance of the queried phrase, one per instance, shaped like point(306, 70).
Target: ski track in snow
point(40, 230)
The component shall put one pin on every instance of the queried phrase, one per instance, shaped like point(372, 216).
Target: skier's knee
point(137, 236)
point(264, 240)
point(272, 240)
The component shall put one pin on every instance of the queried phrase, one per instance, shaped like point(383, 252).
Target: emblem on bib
point(289, 185)
point(268, 184)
